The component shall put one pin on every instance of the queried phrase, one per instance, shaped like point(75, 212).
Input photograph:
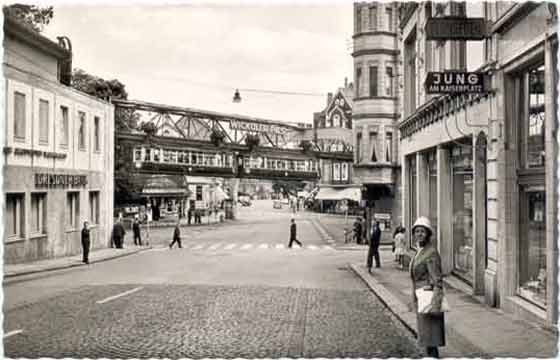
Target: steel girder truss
point(193, 124)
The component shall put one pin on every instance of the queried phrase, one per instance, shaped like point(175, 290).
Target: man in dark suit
point(136, 231)
point(85, 242)
point(176, 235)
point(374, 246)
point(293, 234)
point(118, 234)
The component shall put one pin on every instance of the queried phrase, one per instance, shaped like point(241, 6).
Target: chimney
point(65, 66)
point(329, 98)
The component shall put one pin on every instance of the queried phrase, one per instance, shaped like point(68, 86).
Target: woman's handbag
point(425, 301)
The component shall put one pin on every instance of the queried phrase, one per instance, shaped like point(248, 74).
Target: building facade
point(58, 165)
point(483, 167)
point(376, 110)
point(332, 138)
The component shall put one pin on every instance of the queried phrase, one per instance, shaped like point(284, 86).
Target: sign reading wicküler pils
point(454, 82)
point(62, 180)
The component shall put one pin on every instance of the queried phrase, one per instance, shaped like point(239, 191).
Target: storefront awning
point(354, 194)
point(220, 194)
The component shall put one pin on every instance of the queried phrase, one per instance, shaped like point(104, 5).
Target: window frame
point(389, 17)
point(65, 124)
point(82, 125)
point(374, 81)
point(43, 118)
point(373, 139)
point(41, 214)
point(94, 208)
point(389, 86)
point(372, 15)
point(19, 220)
point(96, 133)
point(23, 118)
point(72, 210)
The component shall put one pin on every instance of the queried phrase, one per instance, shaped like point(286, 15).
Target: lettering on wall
point(61, 180)
point(20, 151)
point(257, 127)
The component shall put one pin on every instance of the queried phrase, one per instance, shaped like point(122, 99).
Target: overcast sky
point(195, 55)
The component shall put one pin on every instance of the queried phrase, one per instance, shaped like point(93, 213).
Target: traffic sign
point(453, 82)
point(455, 28)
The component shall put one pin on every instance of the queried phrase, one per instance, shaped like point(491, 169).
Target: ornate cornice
point(376, 52)
point(375, 115)
point(436, 110)
point(368, 33)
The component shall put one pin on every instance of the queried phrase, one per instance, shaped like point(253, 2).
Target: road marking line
point(119, 295)
point(12, 333)
point(312, 247)
point(246, 246)
point(279, 246)
point(263, 246)
point(197, 247)
point(215, 246)
point(230, 246)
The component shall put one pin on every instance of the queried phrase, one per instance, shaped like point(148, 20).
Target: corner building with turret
point(376, 112)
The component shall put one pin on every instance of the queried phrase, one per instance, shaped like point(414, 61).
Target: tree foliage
point(98, 87)
point(33, 16)
point(125, 119)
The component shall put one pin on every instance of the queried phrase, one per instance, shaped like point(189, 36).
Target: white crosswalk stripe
point(246, 246)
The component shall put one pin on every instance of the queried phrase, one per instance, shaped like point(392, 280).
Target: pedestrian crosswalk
point(245, 247)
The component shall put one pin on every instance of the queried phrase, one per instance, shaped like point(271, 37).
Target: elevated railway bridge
point(155, 139)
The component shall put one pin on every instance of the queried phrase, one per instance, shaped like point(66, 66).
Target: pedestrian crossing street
point(245, 247)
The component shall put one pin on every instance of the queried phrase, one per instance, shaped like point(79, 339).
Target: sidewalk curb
point(400, 310)
point(44, 269)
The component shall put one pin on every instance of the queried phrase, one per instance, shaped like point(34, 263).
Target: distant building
point(332, 139)
point(375, 113)
point(58, 153)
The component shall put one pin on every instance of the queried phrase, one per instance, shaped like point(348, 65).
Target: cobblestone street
point(251, 300)
point(208, 322)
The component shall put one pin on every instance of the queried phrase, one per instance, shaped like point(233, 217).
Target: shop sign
point(455, 28)
point(450, 82)
point(62, 180)
point(382, 216)
point(257, 127)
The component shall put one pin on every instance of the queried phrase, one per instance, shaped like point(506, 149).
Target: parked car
point(245, 202)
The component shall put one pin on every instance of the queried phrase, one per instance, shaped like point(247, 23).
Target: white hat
point(424, 222)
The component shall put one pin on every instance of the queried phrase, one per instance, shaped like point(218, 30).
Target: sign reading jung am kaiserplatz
point(454, 82)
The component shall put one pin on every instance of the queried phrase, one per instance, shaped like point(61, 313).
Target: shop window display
point(432, 197)
point(412, 193)
point(462, 212)
point(532, 269)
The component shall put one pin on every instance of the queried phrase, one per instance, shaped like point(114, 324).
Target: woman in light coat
point(425, 272)
point(400, 246)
